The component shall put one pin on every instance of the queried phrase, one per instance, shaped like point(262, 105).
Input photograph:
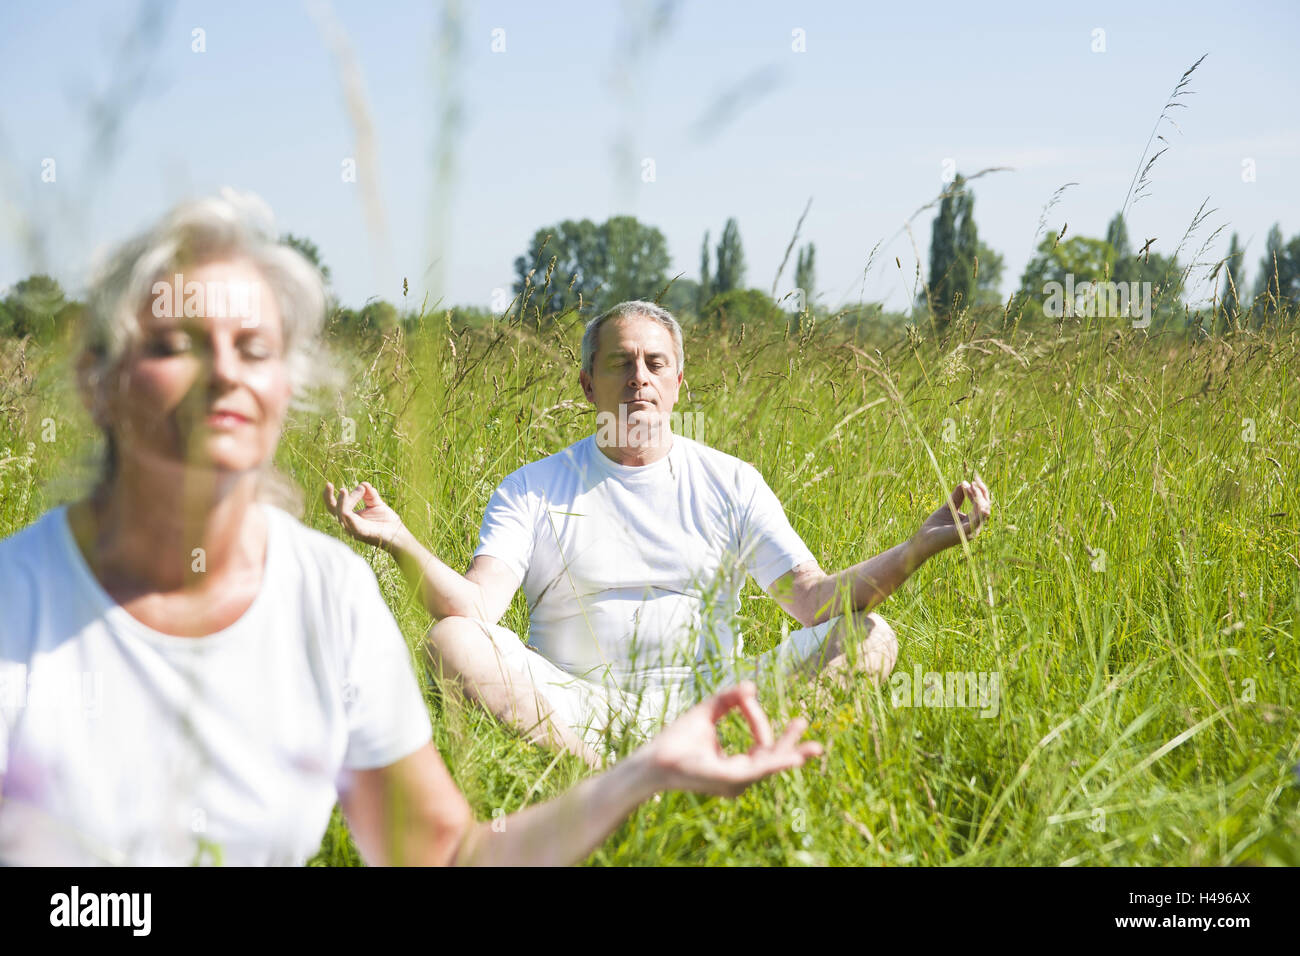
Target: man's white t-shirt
point(120, 744)
point(633, 573)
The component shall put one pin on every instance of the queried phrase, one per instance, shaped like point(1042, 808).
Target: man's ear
point(585, 381)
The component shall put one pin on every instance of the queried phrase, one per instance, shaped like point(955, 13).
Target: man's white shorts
point(602, 713)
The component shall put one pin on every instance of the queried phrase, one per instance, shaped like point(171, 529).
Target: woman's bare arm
point(411, 812)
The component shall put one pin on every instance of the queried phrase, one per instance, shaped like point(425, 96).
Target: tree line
point(964, 272)
point(580, 265)
point(583, 265)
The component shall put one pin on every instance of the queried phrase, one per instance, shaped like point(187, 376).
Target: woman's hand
point(375, 524)
point(413, 812)
point(688, 756)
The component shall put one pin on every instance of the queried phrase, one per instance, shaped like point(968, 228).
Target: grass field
point(1136, 594)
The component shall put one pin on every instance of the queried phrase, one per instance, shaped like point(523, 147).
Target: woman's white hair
point(231, 225)
point(227, 226)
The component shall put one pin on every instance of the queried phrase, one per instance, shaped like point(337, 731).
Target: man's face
point(635, 365)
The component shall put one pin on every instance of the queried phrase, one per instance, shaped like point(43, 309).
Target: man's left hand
point(941, 530)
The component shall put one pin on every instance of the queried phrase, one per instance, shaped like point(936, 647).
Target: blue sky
point(559, 123)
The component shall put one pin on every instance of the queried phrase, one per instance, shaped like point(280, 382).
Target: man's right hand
point(375, 524)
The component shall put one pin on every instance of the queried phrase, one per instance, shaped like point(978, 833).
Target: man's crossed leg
point(547, 705)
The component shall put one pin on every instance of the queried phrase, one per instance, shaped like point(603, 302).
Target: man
point(632, 546)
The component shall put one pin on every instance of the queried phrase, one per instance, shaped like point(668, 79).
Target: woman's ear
point(89, 387)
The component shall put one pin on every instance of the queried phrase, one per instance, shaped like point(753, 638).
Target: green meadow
point(1134, 600)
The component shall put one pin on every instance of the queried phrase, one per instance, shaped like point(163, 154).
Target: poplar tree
point(954, 245)
point(1235, 278)
point(805, 273)
point(943, 255)
point(729, 261)
point(706, 290)
point(1126, 267)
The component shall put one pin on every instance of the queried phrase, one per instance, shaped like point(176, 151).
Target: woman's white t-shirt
point(120, 744)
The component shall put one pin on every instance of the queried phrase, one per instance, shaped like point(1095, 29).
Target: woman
point(189, 674)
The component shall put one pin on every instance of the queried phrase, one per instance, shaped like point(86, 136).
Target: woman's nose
point(223, 363)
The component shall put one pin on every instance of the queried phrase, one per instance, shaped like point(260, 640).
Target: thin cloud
point(735, 101)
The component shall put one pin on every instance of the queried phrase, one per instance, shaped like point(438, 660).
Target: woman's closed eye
point(256, 348)
point(178, 342)
point(174, 342)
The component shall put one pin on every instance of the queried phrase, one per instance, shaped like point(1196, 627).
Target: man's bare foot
point(838, 675)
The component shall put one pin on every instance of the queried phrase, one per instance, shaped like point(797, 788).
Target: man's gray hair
point(625, 310)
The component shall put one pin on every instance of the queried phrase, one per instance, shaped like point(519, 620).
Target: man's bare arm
point(811, 595)
point(483, 592)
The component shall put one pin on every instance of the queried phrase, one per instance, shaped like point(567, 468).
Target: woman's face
point(208, 390)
